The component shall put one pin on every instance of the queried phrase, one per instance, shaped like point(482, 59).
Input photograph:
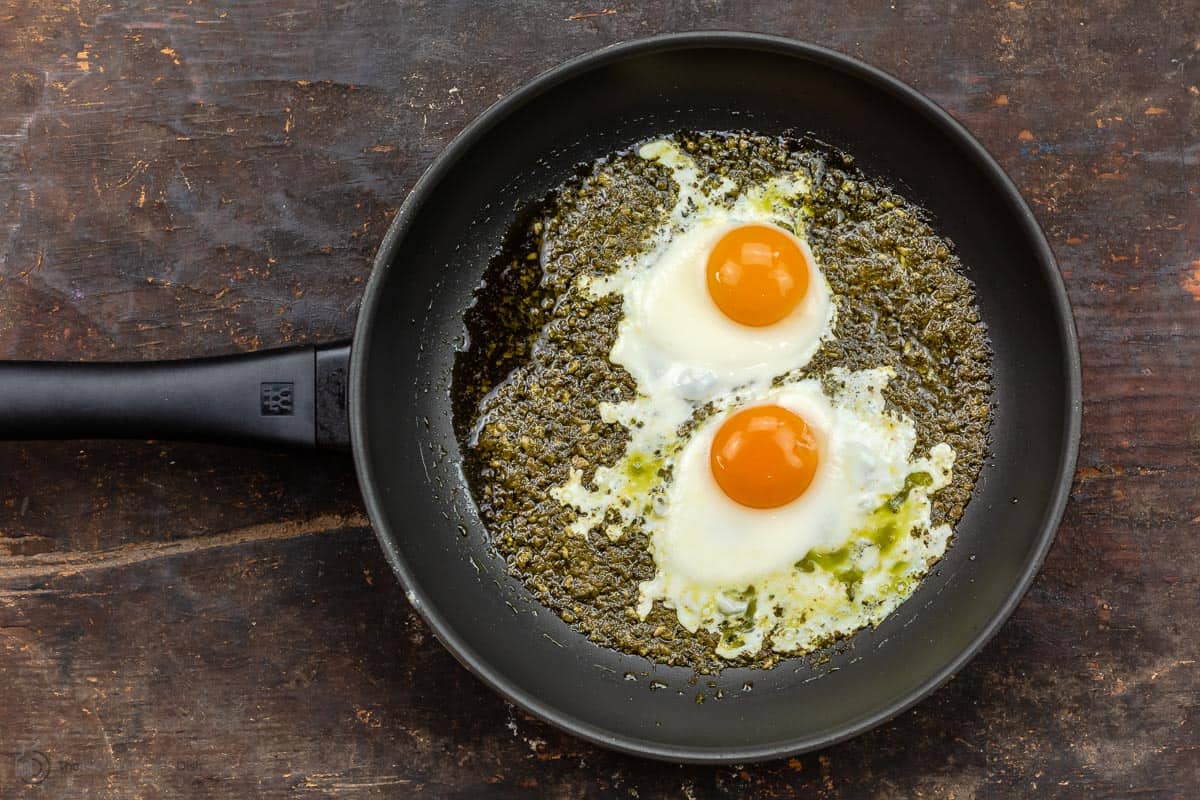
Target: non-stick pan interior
point(411, 326)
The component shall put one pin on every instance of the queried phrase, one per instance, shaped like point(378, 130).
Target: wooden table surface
point(204, 177)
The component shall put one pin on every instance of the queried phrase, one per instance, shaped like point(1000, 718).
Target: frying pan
point(388, 395)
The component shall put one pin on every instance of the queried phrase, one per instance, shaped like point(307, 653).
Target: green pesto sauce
point(528, 385)
point(642, 472)
point(733, 630)
point(886, 526)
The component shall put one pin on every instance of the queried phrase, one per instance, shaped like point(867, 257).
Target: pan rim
point(476, 130)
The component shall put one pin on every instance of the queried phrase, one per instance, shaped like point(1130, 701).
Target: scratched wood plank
point(206, 177)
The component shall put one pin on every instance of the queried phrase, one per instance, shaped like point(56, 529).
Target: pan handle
point(294, 397)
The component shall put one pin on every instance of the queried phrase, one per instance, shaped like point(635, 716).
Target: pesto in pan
point(536, 387)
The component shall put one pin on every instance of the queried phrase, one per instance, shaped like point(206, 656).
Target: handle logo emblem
point(277, 399)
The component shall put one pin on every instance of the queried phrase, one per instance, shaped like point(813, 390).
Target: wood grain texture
point(194, 178)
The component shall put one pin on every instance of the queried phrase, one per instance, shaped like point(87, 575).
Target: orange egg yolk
point(764, 456)
point(757, 274)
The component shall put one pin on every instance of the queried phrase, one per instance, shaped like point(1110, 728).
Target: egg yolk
point(764, 456)
point(757, 274)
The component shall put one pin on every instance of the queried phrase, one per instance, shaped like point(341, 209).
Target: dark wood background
point(187, 178)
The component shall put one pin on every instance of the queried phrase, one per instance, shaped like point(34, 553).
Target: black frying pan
point(398, 380)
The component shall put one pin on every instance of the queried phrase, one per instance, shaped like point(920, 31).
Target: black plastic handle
point(293, 397)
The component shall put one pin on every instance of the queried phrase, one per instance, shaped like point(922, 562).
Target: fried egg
point(825, 563)
point(680, 338)
point(779, 506)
